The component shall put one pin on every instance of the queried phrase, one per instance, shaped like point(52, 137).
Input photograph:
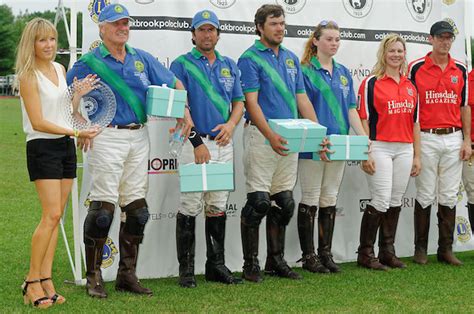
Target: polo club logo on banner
point(223, 4)
point(95, 6)
point(109, 253)
point(419, 9)
point(292, 6)
point(358, 8)
point(463, 228)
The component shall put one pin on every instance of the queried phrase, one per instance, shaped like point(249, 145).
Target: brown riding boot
point(275, 264)
point(95, 284)
point(388, 229)
point(250, 235)
point(326, 220)
point(368, 233)
point(446, 222)
point(422, 228)
point(310, 260)
point(127, 279)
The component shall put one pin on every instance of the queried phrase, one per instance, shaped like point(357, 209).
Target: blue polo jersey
point(255, 79)
point(139, 70)
point(331, 95)
point(224, 76)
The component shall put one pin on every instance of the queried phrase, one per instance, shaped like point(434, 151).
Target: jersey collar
point(429, 62)
point(317, 65)
point(104, 52)
point(260, 46)
point(198, 55)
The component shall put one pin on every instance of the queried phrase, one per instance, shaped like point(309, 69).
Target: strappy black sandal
point(56, 298)
point(41, 303)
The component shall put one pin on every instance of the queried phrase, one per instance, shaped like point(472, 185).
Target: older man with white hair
point(118, 160)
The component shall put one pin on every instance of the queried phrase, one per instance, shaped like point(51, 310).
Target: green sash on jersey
point(278, 82)
point(114, 80)
point(328, 95)
point(216, 99)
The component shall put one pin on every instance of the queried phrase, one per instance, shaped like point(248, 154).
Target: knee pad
point(137, 217)
point(98, 219)
point(286, 204)
point(257, 206)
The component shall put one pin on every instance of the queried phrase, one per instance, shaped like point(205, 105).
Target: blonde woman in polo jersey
point(388, 109)
point(320, 180)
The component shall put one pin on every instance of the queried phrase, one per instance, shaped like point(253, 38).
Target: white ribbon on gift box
point(170, 100)
point(204, 172)
point(299, 123)
point(348, 147)
point(204, 176)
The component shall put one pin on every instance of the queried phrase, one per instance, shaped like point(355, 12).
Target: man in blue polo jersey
point(274, 89)
point(118, 160)
point(215, 100)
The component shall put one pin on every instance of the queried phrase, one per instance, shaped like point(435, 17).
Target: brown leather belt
point(94, 205)
point(127, 127)
point(441, 131)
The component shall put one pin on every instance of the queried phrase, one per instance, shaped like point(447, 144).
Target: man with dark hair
point(215, 100)
point(444, 118)
point(274, 89)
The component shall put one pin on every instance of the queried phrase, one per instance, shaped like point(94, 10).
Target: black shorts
point(51, 158)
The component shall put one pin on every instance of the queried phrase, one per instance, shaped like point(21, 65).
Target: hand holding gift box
point(206, 177)
point(163, 101)
point(346, 147)
point(303, 135)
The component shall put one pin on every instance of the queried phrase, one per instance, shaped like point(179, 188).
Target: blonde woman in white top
point(51, 154)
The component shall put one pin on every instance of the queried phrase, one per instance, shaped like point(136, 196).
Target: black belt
point(127, 127)
point(441, 131)
point(209, 137)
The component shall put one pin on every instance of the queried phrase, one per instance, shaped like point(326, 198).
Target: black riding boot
point(250, 235)
point(215, 264)
point(185, 244)
point(326, 221)
point(309, 258)
point(276, 264)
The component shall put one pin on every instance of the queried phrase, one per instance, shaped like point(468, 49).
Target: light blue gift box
point(347, 147)
point(165, 102)
point(206, 177)
point(303, 135)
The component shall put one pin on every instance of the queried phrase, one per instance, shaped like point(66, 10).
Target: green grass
point(431, 288)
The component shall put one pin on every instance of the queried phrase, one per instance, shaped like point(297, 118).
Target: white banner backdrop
point(161, 27)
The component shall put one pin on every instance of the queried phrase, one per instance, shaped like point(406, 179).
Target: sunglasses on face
point(445, 37)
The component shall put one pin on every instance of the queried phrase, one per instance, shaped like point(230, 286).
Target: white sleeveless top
point(50, 97)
